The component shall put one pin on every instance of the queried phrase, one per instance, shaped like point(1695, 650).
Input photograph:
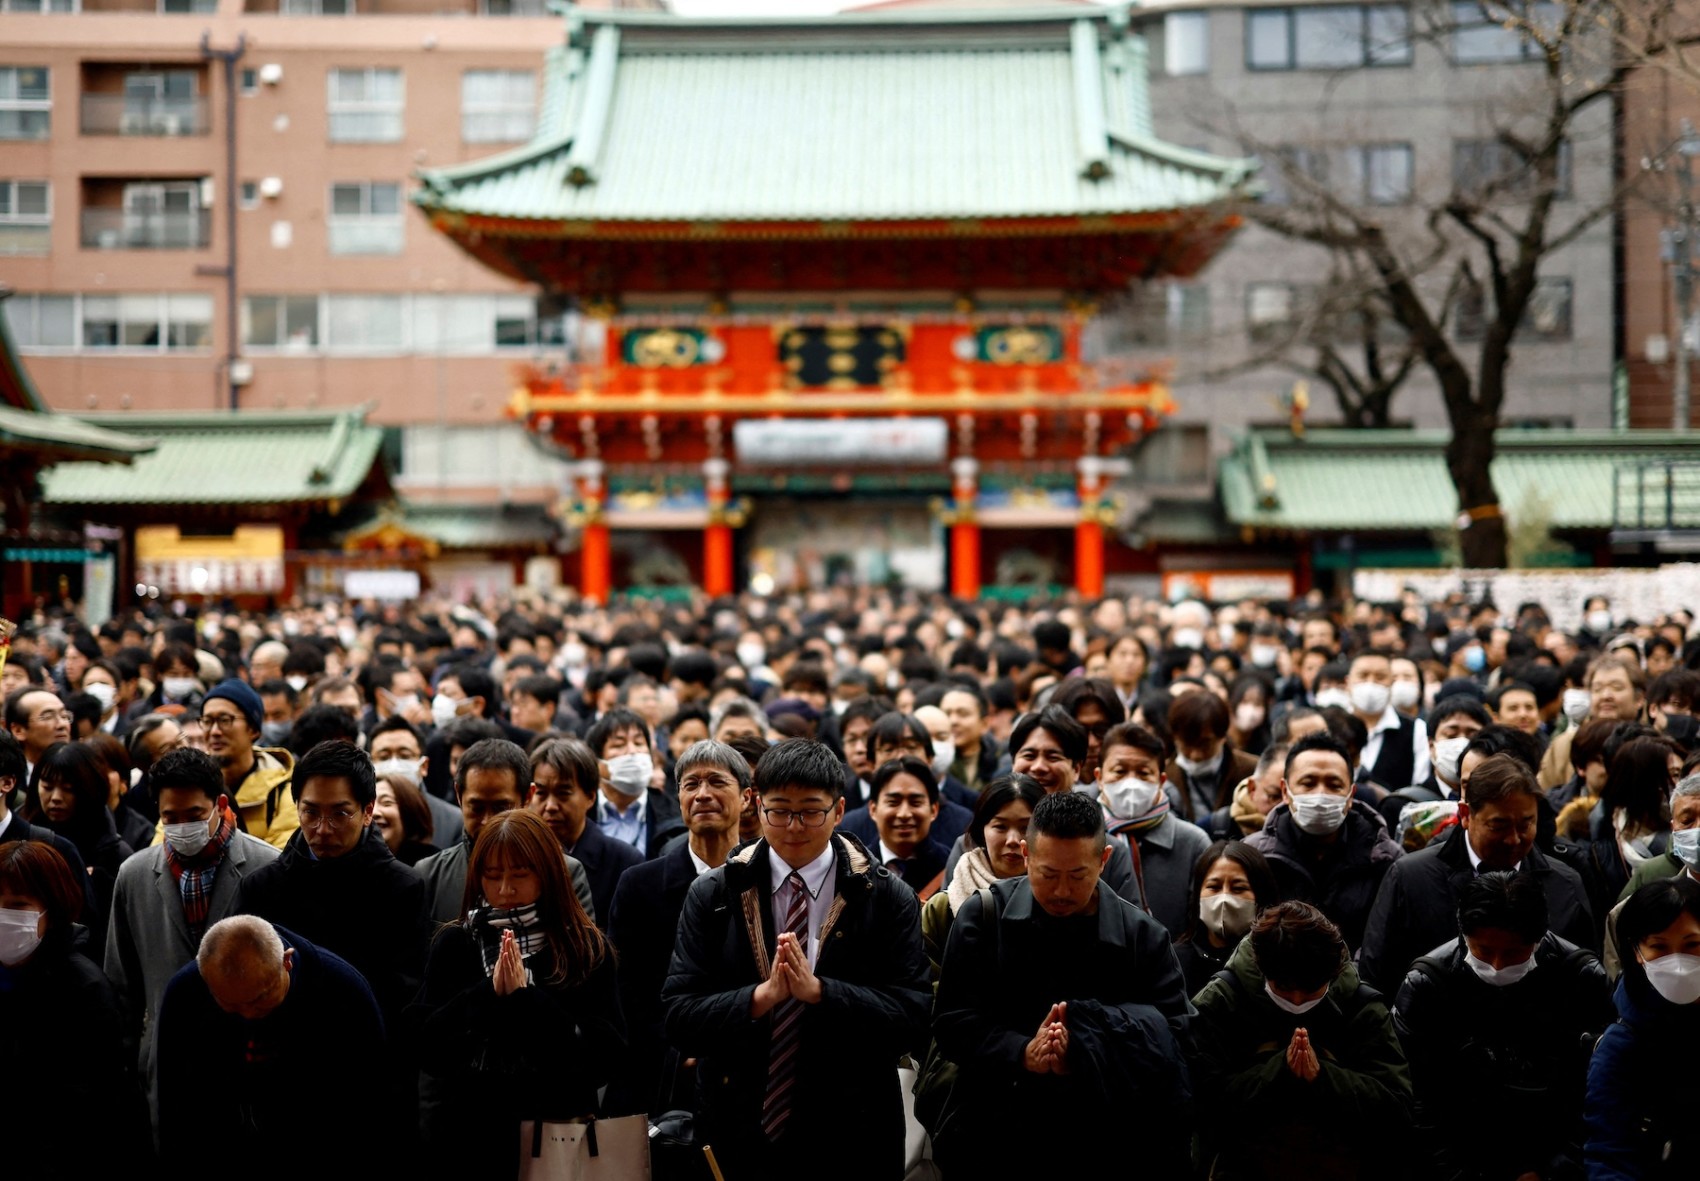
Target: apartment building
point(118, 123)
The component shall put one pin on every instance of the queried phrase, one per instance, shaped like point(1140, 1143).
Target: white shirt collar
point(888, 855)
point(702, 866)
point(814, 873)
point(641, 804)
point(1389, 721)
point(1476, 862)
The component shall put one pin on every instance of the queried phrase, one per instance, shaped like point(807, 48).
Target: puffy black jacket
point(1520, 1051)
point(876, 994)
point(1338, 878)
point(1417, 908)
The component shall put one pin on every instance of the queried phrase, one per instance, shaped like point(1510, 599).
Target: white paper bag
point(585, 1150)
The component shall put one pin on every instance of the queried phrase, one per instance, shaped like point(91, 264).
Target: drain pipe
point(232, 351)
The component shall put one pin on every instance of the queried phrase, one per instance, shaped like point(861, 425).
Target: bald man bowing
point(248, 1033)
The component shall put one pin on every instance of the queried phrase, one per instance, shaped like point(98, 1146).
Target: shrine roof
point(879, 117)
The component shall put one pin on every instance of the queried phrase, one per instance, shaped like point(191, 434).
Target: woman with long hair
point(403, 819)
point(1231, 884)
point(518, 1018)
point(68, 794)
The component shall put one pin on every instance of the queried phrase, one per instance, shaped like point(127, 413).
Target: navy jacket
point(605, 860)
point(643, 923)
point(1642, 1090)
point(951, 822)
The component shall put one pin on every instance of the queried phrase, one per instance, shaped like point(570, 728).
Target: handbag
point(585, 1150)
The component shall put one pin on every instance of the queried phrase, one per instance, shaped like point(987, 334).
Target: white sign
point(786, 441)
point(1637, 594)
point(389, 586)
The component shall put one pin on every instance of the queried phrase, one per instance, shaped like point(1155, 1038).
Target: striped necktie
point(787, 1022)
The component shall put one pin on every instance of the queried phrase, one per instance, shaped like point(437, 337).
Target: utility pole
point(1677, 248)
point(232, 346)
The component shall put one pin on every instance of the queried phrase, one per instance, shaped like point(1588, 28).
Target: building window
point(513, 7)
point(42, 321)
point(40, 6)
point(365, 218)
point(1270, 310)
point(1485, 168)
point(155, 102)
point(26, 104)
point(1386, 173)
point(248, 197)
point(26, 216)
point(1328, 37)
point(1186, 43)
point(1177, 454)
point(153, 215)
point(365, 323)
point(1284, 175)
point(286, 322)
point(497, 106)
point(1546, 319)
point(147, 323)
point(317, 8)
point(188, 5)
point(520, 323)
point(365, 105)
point(1161, 315)
point(250, 82)
point(1480, 35)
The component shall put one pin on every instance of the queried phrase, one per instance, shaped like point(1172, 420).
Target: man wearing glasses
point(797, 982)
point(337, 884)
point(37, 719)
point(257, 780)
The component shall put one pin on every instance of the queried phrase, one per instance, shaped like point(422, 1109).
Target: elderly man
point(37, 719)
point(261, 1020)
point(714, 788)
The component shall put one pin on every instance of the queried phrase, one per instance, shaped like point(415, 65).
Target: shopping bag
point(585, 1150)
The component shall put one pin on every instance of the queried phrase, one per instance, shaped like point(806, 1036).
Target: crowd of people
point(854, 881)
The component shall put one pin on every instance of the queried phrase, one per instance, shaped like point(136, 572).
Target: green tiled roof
point(859, 118)
point(461, 527)
point(1396, 480)
point(61, 437)
point(245, 457)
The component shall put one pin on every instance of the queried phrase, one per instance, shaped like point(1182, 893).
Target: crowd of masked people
point(859, 883)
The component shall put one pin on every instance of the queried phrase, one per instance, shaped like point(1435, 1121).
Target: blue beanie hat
point(242, 696)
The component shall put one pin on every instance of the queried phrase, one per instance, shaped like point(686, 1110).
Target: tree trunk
point(1482, 534)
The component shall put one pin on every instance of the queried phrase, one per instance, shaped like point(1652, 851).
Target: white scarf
point(973, 873)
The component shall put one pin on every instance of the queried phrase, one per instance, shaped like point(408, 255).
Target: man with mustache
point(714, 787)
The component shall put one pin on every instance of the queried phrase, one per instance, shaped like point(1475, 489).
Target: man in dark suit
point(798, 981)
point(631, 808)
point(904, 805)
point(714, 785)
point(564, 778)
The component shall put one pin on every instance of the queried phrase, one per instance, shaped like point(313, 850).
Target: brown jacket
point(1236, 765)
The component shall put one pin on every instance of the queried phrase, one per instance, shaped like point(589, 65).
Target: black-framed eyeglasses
point(808, 817)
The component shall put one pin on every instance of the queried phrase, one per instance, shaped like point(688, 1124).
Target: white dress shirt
point(702, 866)
point(1420, 763)
point(821, 884)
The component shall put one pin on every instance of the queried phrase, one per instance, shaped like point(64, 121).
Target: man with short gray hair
point(736, 718)
point(248, 1030)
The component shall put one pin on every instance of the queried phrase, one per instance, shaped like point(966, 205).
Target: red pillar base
point(965, 560)
point(1089, 559)
point(717, 561)
point(595, 572)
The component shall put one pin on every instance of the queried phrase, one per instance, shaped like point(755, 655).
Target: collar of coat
point(1018, 907)
point(747, 876)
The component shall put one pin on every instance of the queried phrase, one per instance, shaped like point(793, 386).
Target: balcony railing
point(24, 237)
point(117, 114)
point(118, 229)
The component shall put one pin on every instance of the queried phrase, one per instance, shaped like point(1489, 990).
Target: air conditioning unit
point(271, 186)
point(271, 73)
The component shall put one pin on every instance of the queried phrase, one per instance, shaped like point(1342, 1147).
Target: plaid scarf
point(194, 875)
point(1129, 825)
point(488, 923)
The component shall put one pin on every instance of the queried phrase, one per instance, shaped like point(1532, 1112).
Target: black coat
point(1417, 908)
point(364, 906)
point(1004, 967)
point(846, 1110)
point(64, 1029)
point(643, 923)
point(927, 863)
point(1340, 879)
point(1520, 1051)
point(539, 1053)
point(951, 822)
point(18, 829)
point(605, 861)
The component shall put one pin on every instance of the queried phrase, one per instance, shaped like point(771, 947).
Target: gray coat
point(148, 938)
point(445, 883)
point(1167, 854)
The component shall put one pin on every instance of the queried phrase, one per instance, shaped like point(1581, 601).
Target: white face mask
point(1265, 655)
point(296, 682)
point(1577, 703)
point(1228, 916)
point(404, 703)
point(1286, 1005)
point(1499, 977)
point(18, 938)
point(444, 710)
point(575, 655)
point(944, 754)
point(630, 773)
point(1204, 767)
point(1247, 717)
point(1675, 977)
point(1370, 698)
point(1320, 812)
point(751, 655)
point(178, 688)
point(408, 769)
point(1131, 797)
point(1188, 637)
point(1448, 752)
point(1333, 695)
point(189, 838)
point(1405, 694)
point(103, 693)
point(1686, 845)
point(1598, 622)
point(839, 705)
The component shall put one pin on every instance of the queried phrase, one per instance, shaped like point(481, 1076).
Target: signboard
point(248, 561)
point(787, 442)
point(1634, 593)
point(389, 586)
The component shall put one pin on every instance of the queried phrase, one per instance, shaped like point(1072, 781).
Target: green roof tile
point(1381, 481)
point(245, 457)
point(857, 120)
point(62, 437)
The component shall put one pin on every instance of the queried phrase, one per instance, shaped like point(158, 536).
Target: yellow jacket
point(263, 799)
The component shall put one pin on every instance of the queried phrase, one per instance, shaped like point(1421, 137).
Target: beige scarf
point(973, 873)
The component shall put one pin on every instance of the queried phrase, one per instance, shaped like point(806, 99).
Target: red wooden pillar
point(965, 530)
point(595, 565)
point(717, 536)
point(1089, 531)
